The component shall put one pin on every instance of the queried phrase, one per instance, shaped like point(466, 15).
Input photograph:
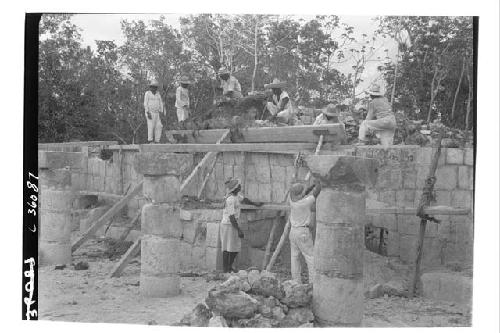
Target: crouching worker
point(230, 231)
point(380, 119)
point(301, 242)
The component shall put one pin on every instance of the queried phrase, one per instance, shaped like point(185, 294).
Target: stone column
point(339, 246)
point(56, 199)
point(160, 221)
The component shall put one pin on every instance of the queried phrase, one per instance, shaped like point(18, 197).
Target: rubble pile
point(254, 299)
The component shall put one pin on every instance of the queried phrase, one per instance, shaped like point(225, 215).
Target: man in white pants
point(182, 99)
point(301, 241)
point(153, 106)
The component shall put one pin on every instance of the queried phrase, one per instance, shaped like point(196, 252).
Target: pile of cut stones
point(254, 299)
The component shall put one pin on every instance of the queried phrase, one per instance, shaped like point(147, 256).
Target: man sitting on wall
point(281, 107)
point(231, 88)
point(329, 115)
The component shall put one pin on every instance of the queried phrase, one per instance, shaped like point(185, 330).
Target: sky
point(107, 27)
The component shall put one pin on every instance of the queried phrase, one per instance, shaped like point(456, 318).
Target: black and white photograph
point(252, 170)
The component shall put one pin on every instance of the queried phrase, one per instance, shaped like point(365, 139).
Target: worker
point(301, 241)
point(230, 232)
point(281, 107)
point(329, 115)
point(231, 88)
point(380, 118)
point(182, 99)
point(153, 106)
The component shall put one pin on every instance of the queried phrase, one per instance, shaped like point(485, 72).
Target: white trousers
point(383, 128)
point(154, 127)
point(182, 114)
point(301, 243)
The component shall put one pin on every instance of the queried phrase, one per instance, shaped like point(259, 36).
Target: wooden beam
point(129, 255)
point(204, 161)
point(75, 144)
point(108, 215)
point(304, 133)
point(227, 147)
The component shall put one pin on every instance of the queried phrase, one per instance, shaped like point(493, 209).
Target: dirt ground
point(90, 296)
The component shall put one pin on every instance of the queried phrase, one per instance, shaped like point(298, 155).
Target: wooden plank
point(129, 255)
point(204, 161)
point(205, 180)
point(303, 133)
point(108, 215)
point(270, 239)
point(75, 144)
point(124, 147)
point(227, 147)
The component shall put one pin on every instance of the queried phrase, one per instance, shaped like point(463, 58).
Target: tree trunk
point(456, 91)
point(433, 95)
point(393, 93)
point(255, 55)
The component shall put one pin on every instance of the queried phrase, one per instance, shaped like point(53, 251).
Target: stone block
point(278, 192)
point(443, 198)
point(407, 248)
point(388, 196)
point(290, 172)
point(55, 227)
point(390, 178)
point(189, 231)
point(255, 257)
point(446, 177)
point(162, 189)
point(405, 198)
point(454, 156)
point(465, 177)
point(213, 235)
point(388, 221)
point(213, 258)
point(185, 260)
point(53, 200)
point(198, 257)
point(159, 255)
point(228, 171)
point(469, 156)
point(228, 158)
point(186, 215)
point(409, 178)
point(424, 156)
point(432, 251)
point(157, 164)
point(449, 287)
point(442, 156)
point(59, 179)
point(408, 225)
point(281, 160)
point(60, 160)
point(265, 192)
point(51, 253)
point(161, 220)
point(461, 198)
point(253, 191)
point(238, 172)
point(278, 174)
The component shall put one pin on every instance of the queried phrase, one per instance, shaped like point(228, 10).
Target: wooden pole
point(205, 180)
point(129, 255)
point(270, 240)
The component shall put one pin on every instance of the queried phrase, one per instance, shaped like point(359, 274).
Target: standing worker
point(182, 99)
point(380, 118)
point(230, 231)
point(301, 241)
point(153, 106)
point(281, 107)
point(231, 88)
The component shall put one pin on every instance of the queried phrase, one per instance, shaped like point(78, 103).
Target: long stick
point(270, 240)
point(207, 176)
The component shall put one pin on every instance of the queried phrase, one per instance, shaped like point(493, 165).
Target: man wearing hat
point(281, 105)
point(230, 231)
point(329, 115)
point(153, 106)
point(182, 99)
point(380, 118)
point(231, 88)
point(301, 241)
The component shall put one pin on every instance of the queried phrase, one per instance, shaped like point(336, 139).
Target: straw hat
point(154, 83)
point(296, 191)
point(330, 110)
point(223, 70)
point(275, 84)
point(375, 90)
point(231, 185)
point(184, 79)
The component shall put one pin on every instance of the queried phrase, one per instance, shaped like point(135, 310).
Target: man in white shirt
point(182, 99)
point(231, 88)
point(301, 242)
point(153, 106)
point(281, 107)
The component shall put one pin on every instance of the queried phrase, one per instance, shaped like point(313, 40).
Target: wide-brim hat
point(330, 110)
point(375, 90)
point(154, 83)
point(224, 70)
point(231, 185)
point(275, 84)
point(296, 190)
point(184, 80)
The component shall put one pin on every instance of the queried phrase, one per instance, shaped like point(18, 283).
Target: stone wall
point(267, 176)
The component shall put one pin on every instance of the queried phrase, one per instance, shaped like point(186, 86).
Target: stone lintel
point(159, 164)
point(344, 172)
point(60, 160)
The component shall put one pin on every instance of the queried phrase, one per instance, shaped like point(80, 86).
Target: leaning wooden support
point(108, 215)
point(270, 240)
point(207, 176)
point(228, 147)
point(129, 255)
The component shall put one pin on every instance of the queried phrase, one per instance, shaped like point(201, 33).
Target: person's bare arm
point(370, 115)
point(235, 225)
point(284, 103)
point(317, 188)
point(247, 201)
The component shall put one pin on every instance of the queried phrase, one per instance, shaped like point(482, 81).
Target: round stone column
point(160, 221)
point(339, 246)
point(56, 199)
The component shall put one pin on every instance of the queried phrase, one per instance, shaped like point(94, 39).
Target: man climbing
point(231, 88)
point(230, 231)
point(329, 115)
point(301, 241)
point(153, 106)
point(380, 118)
point(281, 107)
point(182, 99)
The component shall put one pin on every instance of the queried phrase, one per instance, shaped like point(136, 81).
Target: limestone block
point(342, 306)
point(388, 221)
point(55, 179)
point(442, 156)
point(159, 255)
point(443, 198)
point(156, 164)
point(454, 156)
point(255, 257)
point(53, 253)
point(186, 215)
point(405, 198)
point(213, 258)
point(469, 156)
point(448, 287)
point(55, 227)
point(432, 252)
point(57, 201)
point(228, 171)
point(410, 178)
point(408, 225)
point(207, 215)
point(337, 207)
point(238, 171)
point(253, 191)
point(465, 177)
point(446, 178)
point(162, 189)
point(290, 172)
point(390, 178)
point(388, 196)
point(461, 198)
point(59, 160)
point(278, 174)
point(278, 192)
point(161, 220)
point(228, 158)
point(159, 285)
point(424, 156)
point(213, 235)
point(264, 192)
